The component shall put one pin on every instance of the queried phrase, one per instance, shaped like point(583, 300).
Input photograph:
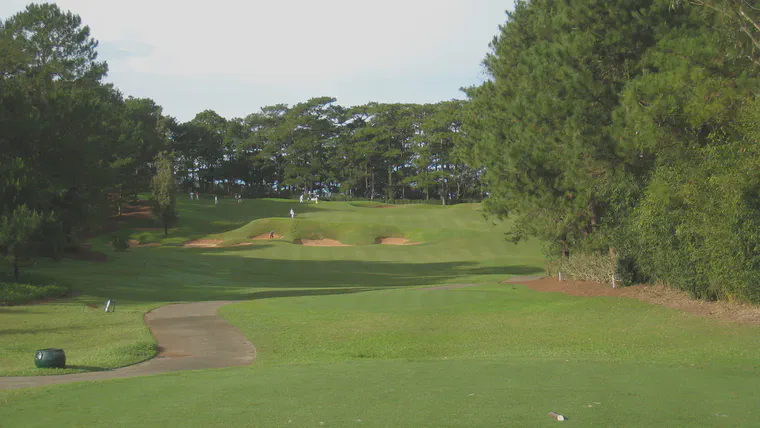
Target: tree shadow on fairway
point(268, 294)
point(222, 274)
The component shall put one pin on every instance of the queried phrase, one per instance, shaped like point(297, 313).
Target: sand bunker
point(396, 241)
point(204, 243)
point(321, 243)
point(265, 237)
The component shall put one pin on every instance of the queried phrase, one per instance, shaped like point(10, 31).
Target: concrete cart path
point(190, 336)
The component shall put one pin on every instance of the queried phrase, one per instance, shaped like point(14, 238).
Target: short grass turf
point(142, 278)
point(490, 355)
point(347, 336)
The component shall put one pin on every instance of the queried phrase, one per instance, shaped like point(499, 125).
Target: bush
point(119, 243)
point(12, 293)
point(584, 267)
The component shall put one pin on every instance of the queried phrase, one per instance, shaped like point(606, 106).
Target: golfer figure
point(271, 234)
point(292, 213)
point(216, 200)
point(300, 199)
point(191, 196)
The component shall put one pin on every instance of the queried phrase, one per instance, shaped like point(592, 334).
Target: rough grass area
point(92, 339)
point(12, 293)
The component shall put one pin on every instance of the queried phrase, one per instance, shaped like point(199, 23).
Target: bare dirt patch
point(450, 286)
point(134, 243)
point(140, 209)
point(321, 243)
point(655, 294)
point(204, 243)
point(265, 237)
point(396, 241)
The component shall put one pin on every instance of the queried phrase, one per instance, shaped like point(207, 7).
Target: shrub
point(119, 243)
point(12, 293)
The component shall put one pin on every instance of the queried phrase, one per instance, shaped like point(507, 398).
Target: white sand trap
point(265, 237)
point(396, 241)
point(322, 243)
point(204, 243)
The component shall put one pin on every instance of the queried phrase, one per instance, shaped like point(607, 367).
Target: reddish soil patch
point(654, 294)
point(450, 286)
point(140, 209)
point(396, 241)
point(134, 243)
point(265, 237)
point(321, 243)
point(204, 243)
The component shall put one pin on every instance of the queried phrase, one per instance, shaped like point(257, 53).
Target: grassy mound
point(292, 230)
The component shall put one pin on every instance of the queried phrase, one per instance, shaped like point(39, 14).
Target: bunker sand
point(190, 336)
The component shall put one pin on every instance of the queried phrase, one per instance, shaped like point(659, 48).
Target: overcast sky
point(236, 56)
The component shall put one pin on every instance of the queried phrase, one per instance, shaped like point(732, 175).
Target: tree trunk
point(166, 229)
point(372, 193)
point(390, 183)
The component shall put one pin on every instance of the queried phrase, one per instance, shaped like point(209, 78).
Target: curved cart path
point(190, 336)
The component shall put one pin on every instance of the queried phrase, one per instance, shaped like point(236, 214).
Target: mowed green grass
point(144, 278)
point(349, 336)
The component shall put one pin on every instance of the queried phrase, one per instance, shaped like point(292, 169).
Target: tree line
point(74, 150)
point(626, 132)
point(621, 133)
point(373, 151)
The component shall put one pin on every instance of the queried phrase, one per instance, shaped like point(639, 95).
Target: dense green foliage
point(164, 193)
point(621, 130)
point(13, 293)
point(627, 130)
point(73, 151)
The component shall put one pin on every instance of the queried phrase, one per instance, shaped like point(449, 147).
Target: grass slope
point(143, 278)
point(346, 337)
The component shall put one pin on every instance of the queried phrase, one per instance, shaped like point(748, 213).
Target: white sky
point(236, 56)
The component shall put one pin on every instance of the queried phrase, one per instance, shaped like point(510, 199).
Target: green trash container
point(50, 358)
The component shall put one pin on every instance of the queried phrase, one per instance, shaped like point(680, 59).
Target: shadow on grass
point(268, 294)
point(221, 274)
point(88, 368)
